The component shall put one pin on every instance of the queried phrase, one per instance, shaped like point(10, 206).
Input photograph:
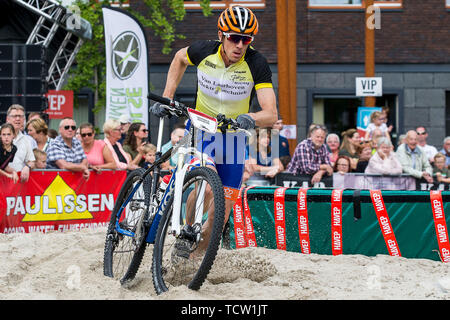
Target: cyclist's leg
point(229, 158)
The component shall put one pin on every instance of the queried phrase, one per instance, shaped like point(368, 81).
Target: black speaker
point(23, 70)
point(6, 52)
point(29, 102)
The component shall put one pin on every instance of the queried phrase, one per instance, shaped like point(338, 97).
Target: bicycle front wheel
point(188, 258)
point(125, 248)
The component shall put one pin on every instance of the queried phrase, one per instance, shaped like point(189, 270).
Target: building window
point(356, 4)
point(221, 5)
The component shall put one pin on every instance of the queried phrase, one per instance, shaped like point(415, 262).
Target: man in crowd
point(429, 150)
point(125, 122)
point(175, 136)
point(284, 154)
point(311, 156)
point(24, 158)
point(65, 151)
point(446, 150)
point(413, 159)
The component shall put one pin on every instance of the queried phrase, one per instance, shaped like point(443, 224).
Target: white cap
point(125, 118)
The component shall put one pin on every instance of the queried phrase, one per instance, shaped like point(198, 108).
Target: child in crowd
point(440, 170)
point(41, 158)
point(149, 151)
point(377, 121)
point(7, 151)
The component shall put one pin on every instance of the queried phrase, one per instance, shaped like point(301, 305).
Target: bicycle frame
point(175, 188)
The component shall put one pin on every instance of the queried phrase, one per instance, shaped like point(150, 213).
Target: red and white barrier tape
point(440, 225)
point(336, 222)
point(385, 223)
point(302, 216)
point(239, 223)
point(280, 219)
point(250, 232)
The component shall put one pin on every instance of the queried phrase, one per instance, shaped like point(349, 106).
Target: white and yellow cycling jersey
point(227, 90)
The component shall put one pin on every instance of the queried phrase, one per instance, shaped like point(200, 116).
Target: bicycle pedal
point(182, 248)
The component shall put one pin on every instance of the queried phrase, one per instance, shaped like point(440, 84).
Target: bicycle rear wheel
point(123, 253)
point(187, 260)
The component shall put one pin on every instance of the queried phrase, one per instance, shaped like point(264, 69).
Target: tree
point(90, 68)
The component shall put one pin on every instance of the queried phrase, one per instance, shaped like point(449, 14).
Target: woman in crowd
point(342, 165)
point(136, 137)
point(7, 151)
point(111, 128)
point(349, 146)
point(333, 143)
point(38, 130)
point(98, 154)
point(260, 159)
point(364, 155)
point(384, 160)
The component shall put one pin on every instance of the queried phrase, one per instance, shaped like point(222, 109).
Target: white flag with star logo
point(126, 66)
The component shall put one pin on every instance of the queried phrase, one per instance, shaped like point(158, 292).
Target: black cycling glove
point(158, 110)
point(245, 121)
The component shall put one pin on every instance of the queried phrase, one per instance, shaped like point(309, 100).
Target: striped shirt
point(59, 150)
point(306, 159)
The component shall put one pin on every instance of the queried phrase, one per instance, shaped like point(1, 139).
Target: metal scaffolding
point(54, 17)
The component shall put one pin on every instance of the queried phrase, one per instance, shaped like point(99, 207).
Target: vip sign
point(369, 86)
point(60, 104)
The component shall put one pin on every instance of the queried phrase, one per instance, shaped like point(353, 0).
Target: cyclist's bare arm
point(268, 115)
point(176, 71)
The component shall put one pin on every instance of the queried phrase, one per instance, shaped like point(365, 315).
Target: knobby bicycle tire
point(116, 242)
point(159, 271)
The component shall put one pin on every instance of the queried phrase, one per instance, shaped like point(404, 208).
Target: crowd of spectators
point(373, 154)
point(27, 145)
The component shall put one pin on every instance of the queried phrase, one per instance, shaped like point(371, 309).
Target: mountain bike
point(184, 221)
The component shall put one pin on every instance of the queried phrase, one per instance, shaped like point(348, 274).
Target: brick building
point(412, 55)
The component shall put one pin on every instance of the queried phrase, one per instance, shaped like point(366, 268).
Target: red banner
point(440, 224)
point(303, 225)
point(58, 200)
point(385, 223)
point(251, 238)
point(336, 222)
point(239, 222)
point(280, 222)
point(60, 104)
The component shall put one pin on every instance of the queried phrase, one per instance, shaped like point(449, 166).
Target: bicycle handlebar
point(179, 109)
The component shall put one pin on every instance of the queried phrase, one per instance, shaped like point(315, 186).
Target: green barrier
point(410, 215)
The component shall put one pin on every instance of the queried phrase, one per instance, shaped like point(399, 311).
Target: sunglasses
point(421, 133)
point(236, 38)
point(86, 134)
point(70, 127)
point(144, 130)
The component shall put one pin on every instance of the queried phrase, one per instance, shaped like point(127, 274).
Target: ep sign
point(60, 104)
point(369, 87)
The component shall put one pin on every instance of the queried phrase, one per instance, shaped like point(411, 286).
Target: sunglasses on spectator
point(144, 130)
point(236, 38)
point(89, 134)
point(70, 127)
point(421, 133)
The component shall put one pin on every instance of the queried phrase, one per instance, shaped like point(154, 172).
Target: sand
point(69, 265)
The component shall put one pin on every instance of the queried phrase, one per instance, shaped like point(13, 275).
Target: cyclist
point(229, 73)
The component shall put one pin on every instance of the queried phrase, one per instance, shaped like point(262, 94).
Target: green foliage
point(90, 68)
